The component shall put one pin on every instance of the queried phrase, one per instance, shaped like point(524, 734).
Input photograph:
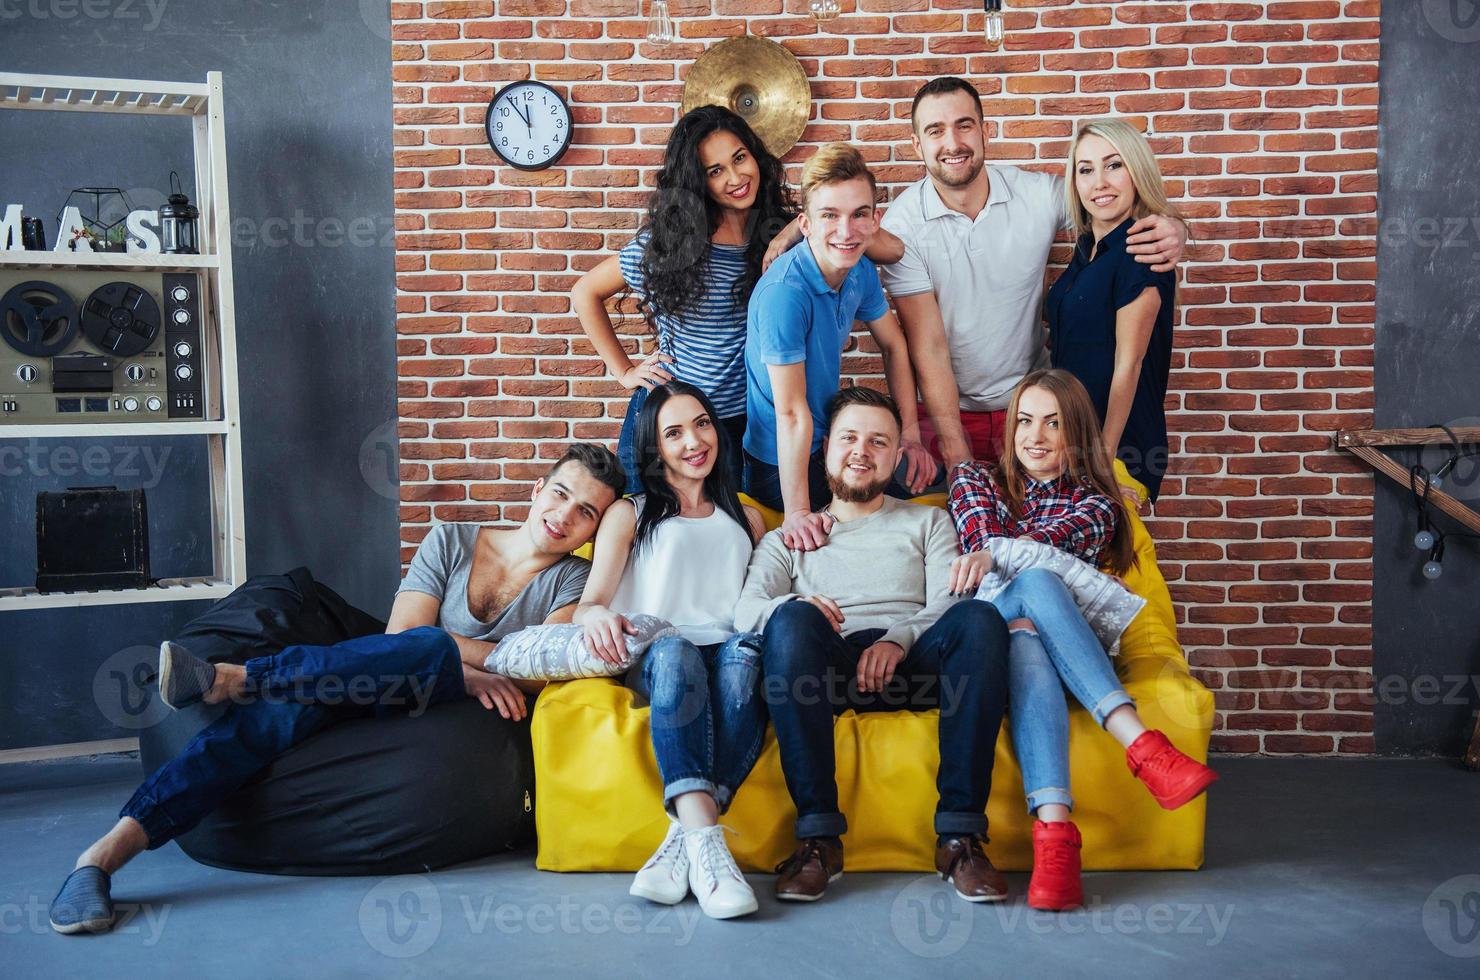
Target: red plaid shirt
point(1072, 517)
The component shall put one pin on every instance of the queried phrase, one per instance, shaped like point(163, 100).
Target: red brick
point(1297, 744)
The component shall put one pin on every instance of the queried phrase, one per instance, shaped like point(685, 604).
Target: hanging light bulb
point(824, 9)
point(992, 26)
point(660, 24)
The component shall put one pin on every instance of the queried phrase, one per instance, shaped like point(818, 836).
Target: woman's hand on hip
point(649, 374)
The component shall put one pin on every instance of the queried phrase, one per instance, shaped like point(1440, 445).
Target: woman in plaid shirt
point(1055, 485)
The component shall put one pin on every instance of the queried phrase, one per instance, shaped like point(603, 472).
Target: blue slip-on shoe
point(83, 904)
point(184, 678)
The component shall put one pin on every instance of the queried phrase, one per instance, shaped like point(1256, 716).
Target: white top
point(690, 573)
point(987, 276)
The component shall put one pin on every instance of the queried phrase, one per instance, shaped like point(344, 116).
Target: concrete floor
point(1315, 868)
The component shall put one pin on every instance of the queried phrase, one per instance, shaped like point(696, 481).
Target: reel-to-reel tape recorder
point(74, 351)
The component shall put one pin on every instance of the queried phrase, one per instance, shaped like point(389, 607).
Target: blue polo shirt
point(795, 317)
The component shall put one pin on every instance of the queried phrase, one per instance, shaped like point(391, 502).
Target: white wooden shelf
point(111, 261)
point(167, 590)
point(62, 93)
point(204, 106)
point(83, 430)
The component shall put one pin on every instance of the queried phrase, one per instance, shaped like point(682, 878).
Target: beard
point(973, 169)
point(851, 493)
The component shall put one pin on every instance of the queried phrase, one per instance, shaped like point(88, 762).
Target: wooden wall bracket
point(1361, 443)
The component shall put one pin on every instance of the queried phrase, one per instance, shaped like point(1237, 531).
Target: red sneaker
point(1055, 886)
point(1173, 778)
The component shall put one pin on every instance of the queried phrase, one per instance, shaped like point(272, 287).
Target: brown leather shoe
point(817, 863)
point(962, 862)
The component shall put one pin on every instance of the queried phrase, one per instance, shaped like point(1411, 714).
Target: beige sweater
point(890, 571)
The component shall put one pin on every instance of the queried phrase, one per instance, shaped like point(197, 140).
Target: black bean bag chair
point(365, 796)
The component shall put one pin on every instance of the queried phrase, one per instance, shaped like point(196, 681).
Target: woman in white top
point(679, 551)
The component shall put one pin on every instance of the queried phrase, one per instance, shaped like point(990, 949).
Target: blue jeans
point(707, 715)
point(297, 692)
point(1064, 653)
point(958, 665)
point(734, 427)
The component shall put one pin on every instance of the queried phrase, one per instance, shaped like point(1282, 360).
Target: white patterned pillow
point(1108, 607)
point(557, 652)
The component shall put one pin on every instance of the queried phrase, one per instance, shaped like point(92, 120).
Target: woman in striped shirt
point(721, 198)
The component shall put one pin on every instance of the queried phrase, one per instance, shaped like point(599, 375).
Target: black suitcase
point(92, 538)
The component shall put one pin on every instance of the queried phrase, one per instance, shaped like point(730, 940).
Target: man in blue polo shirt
point(800, 316)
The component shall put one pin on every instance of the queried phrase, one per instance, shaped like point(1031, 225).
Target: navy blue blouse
point(1081, 309)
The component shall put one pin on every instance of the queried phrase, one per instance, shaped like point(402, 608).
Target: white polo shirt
point(987, 276)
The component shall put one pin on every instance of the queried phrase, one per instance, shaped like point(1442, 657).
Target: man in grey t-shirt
point(969, 289)
point(467, 589)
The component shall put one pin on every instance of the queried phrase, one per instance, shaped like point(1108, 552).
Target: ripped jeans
point(1063, 652)
point(708, 717)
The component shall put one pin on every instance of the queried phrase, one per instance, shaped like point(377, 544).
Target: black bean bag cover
point(365, 796)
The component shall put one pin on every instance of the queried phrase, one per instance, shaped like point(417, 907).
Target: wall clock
point(529, 125)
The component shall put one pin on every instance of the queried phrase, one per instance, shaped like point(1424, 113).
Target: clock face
point(529, 125)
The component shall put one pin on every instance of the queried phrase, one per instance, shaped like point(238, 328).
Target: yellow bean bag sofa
point(599, 799)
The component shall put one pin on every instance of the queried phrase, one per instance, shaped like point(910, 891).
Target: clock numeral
point(499, 125)
point(545, 150)
point(504, 141)
point(503, 110)
point(531, 155)
point(560, 124)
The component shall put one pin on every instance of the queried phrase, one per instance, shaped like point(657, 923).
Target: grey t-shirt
point(441, 568)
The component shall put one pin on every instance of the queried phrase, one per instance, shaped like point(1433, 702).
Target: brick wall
point(1263, 114)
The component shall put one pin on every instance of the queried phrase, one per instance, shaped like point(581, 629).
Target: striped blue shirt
point(708, 343)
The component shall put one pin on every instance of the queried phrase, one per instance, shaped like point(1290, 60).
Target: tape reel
point(121, 318)
point(38, 319)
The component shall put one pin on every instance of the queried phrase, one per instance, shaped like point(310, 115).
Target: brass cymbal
point(761, 81)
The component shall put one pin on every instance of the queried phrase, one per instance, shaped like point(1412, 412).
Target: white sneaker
point(714, 877)
point(665, 877)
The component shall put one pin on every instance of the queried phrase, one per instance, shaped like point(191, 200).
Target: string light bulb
point(660, 24)
point(824, 10)
point(992, 26)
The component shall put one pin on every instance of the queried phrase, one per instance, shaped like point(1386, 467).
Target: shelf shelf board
point(167, 590)
point(80, 430)
point(64, 93)
point(111, 261)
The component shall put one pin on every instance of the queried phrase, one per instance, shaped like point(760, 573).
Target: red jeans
point(984, 434)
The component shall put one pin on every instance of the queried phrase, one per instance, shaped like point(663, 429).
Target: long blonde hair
point(1087, 458)
point(1151, 192)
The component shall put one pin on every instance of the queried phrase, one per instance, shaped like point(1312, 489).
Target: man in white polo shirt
point(969, 290)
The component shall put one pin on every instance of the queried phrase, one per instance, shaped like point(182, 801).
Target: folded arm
point(1083, 529)
point(768, 585)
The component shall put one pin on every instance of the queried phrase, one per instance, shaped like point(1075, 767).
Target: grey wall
point(1426, 655)
point(308, 105)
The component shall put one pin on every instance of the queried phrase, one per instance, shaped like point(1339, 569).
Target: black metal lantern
point(179, 222)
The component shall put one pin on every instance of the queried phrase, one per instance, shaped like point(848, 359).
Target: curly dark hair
point(682, 216)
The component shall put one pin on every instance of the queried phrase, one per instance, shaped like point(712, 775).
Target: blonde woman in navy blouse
point(1109, 316)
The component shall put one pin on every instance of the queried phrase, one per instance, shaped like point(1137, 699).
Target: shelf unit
point(222, 422)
